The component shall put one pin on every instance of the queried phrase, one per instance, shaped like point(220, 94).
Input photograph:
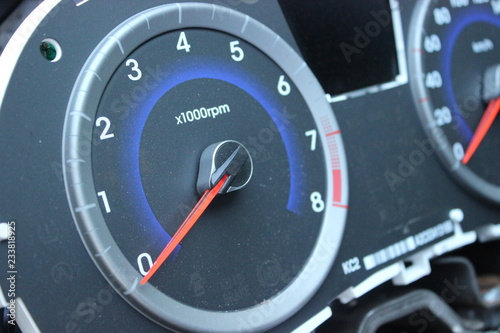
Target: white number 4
point(183, 44)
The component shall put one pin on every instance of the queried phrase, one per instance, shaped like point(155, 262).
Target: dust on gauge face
point(149, 169)
point(215, 182)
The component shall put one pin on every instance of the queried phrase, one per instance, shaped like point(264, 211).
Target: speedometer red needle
point(484, 125)
point(188, 223)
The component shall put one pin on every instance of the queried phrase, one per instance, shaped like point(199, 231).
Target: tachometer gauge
point(197, 113)
point(455, 68)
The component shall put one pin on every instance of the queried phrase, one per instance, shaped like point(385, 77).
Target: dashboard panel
point(333, 162)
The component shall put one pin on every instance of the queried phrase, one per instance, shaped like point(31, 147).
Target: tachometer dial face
point(186, 91)
point(454, 60)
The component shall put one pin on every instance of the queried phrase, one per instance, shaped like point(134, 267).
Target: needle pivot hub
point(491, 83)
point(224, 158)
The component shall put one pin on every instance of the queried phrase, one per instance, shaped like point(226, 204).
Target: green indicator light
point(50, 50)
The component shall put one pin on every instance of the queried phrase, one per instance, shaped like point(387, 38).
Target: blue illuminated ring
point(77, 167)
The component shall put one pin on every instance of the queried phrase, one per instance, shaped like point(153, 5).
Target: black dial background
point(248, 246)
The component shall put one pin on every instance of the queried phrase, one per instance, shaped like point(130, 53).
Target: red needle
point(188, 223)
point(484, 125)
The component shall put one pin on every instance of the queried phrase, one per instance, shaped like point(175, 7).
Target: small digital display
point(349, 45)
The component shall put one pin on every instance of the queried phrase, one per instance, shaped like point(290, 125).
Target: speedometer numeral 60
point(432, 43)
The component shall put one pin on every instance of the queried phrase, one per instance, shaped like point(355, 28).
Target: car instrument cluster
point(250, 166)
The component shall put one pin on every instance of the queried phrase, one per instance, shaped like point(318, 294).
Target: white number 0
point(140, 263)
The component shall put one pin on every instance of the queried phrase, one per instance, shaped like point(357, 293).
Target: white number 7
point(313, 134)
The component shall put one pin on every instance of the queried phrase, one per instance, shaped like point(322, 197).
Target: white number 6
point(284, 87)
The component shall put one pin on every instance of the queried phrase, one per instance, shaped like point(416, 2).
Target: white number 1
point(105, 201)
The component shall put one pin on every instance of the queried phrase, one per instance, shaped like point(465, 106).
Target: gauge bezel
point(83, 201)
point(462, 174)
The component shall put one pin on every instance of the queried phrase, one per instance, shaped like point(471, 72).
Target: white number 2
point(107, 124)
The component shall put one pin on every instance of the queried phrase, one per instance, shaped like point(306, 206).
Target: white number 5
point(237, 52)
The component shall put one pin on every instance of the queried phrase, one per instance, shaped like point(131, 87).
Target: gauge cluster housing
point(401, 206)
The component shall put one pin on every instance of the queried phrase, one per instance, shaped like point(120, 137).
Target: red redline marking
point(340, 206)
point(337, 186)
point(424, 99)
point(333, 133)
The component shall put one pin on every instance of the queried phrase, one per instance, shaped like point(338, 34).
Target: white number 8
point(318, 205)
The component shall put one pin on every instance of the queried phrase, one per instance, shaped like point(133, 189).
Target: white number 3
point(135, 69)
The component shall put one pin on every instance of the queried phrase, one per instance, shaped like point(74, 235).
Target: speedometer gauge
point(197, 113)
point(455, 68)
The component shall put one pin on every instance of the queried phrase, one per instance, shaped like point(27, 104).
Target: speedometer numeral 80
point(442, 16)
